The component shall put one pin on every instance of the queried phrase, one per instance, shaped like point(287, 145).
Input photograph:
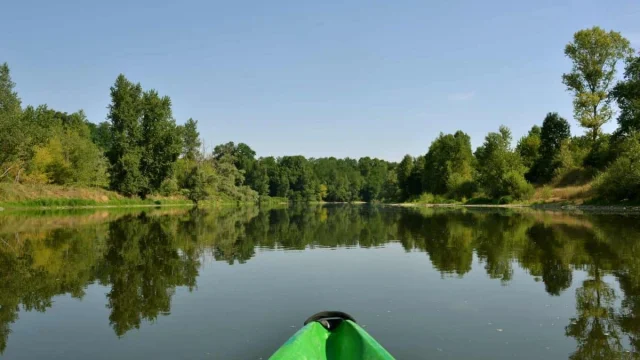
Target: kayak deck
point(346, 341)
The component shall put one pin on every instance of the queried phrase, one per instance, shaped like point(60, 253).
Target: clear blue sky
point(317, 78)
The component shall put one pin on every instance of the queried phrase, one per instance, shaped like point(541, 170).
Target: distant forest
point(140, 150)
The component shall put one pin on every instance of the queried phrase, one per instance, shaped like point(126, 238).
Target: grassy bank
point(54, 196)
point(20, 196)
point(568, 197)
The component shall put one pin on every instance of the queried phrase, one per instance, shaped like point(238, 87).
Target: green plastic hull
point(347, 341)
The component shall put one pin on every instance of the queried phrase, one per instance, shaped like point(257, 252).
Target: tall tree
point(529, 147)
point(101, 135)
point(9, 100)
point(161, 142)
point(374, 174)
point(500, 169)
point(404, 171)
point(190, 139)
point(301, 179)
point(10, 112)
point(125, 113)
point(594, 53)
point(555, 131)
point(627, 95)
point(448, 164)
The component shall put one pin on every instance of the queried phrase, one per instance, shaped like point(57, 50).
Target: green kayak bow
point(331, 335)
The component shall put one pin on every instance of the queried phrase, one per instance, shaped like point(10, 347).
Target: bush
point(546, 193)
point(426, 198)
point(480, 200)
point(517, 187)
point(429, 198)
point(462, 189)
point(168, 187)
point(505, 200)
point(621, 180)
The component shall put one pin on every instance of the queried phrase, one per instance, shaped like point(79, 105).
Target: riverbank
point(608, 208)
point(566, 198)
point(20, 196)
point(56, 197)
point(41, 197)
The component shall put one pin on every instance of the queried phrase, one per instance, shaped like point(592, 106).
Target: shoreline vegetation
point(141, 156)
point(53, 197)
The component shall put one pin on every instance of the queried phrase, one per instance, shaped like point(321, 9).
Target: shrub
point(168, 187)
point(546, 193)
point(504, 200)
point(621, 180)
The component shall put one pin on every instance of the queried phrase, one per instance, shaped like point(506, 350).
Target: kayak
point(331, 335)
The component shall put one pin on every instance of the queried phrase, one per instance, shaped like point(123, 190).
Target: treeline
point(140, 150)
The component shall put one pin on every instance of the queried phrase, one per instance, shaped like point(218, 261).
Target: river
point(235, 283)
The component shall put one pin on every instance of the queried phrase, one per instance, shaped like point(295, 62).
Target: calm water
point(236, 283)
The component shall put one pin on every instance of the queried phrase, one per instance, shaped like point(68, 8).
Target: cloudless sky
point(317, 78)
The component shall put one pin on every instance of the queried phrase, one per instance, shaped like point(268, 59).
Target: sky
point(316, 78)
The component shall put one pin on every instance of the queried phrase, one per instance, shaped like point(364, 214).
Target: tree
point(374, 174)
point(627, 95)
point(594, 53)
point(301, 179)
point(621, 180)
point(245, 157)
point(145, 139)
point(449, 165)
point(555, 130)
point(500, 170)
point(9, 101)
point(414, 183)
point(68, 158)
point(404, 171)
point(529, 150)
point(197, 183)
point(10, 112)
point(190, 139)
point(259, 179)
point(161, 143)
point(125, 114)
point(101, 135)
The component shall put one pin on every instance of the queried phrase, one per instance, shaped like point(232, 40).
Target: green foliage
point(145, 139)
point(403, 174)
point(198, 183)
point(341, 176)
point(374, 174)
point(429, 198)
point(621, 180)
point(101, 134)
point(10, 124)
point(555, 130)
point(303, 185)
point(161, 143)
point(146, 152)
point(594, 53)
point(627, 95)
point(449, 165)
point(529, 147)
point(190, 139)
point(125, 114)
point(500, 170)
point(169, 187)
point(600, 154)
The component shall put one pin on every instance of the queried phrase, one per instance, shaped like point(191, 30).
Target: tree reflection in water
point(144, 257)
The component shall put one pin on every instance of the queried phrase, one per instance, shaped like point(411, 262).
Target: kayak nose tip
point(329, 319)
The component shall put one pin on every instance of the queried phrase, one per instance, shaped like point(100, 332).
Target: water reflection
point(144, 257)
